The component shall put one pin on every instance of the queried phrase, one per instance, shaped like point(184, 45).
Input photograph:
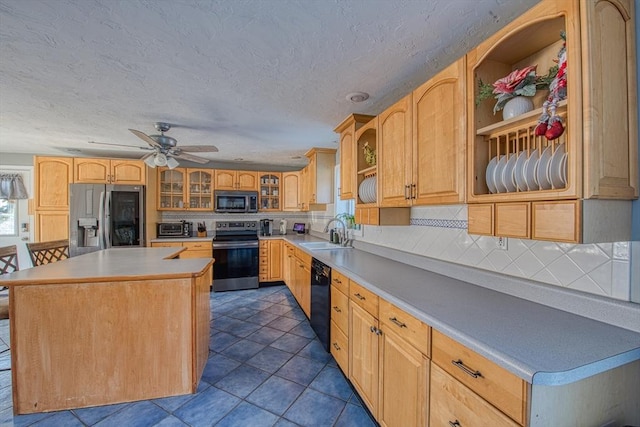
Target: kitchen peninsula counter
point(112, 326)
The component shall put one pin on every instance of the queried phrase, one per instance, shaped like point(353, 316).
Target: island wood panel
point(96, 343)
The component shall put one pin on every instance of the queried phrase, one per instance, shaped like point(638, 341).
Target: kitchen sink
point(316, 246)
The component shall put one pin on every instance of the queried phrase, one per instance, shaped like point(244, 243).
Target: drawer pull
point(397, 322)
point(375, 330)
point(336, 346)
point(455, 423)
point(337, 309)
point(337, 280)
point(467, 370)
point(360, 297)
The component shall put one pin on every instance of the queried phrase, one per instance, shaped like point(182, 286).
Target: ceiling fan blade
point(146, 138)
point(185, 156)
point(199, 148)
point(121, 145)
point(146, 156)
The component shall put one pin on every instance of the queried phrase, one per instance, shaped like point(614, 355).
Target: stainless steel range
point(235, 249)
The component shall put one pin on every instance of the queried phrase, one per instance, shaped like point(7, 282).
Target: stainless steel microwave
point(236, 201)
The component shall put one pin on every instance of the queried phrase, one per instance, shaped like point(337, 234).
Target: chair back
point(8, 259)
point(48, 252)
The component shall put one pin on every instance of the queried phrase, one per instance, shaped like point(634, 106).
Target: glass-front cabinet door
point(172, 189)
point(200, 186)
point(270, 191)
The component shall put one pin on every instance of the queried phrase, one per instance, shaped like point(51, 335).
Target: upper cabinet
point(185, 189)
point(348, 178)
point(236, 180)
point(539, 186)
point(109, 171)
point(291, 191)
point(439, 144)
point(395, 181)
point(52, 176)
point(270, 193)
point(318, 178)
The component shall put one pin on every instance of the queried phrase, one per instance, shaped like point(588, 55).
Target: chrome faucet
point(342, 240)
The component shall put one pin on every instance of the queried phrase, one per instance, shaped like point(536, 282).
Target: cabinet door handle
point(375, 330)
point(466, 369)
point(455, 423)
point(413, 191)
point(397, 322)
point(360, 297)
point(337, 309)
point(406, 192)
point(336, 346)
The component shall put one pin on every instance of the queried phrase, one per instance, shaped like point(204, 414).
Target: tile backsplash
point(440, 232)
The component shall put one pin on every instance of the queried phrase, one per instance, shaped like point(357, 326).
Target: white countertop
point(538, 343)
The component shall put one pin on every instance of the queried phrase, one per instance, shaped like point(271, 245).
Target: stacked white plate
point(539, 171)
point(367, 190)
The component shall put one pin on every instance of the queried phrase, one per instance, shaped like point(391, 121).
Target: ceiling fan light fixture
point(172, 163)
point(160, 159)
point(150, 161)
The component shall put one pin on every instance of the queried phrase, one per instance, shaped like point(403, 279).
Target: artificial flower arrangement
point(522, 82)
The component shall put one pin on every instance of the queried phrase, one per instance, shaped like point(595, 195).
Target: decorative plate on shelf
point(502, 164)
point(489, 175)
point(543, 167)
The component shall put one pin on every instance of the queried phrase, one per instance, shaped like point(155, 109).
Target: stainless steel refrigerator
point(104, 216)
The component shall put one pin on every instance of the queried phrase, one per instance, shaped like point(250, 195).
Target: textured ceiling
point(263, 80)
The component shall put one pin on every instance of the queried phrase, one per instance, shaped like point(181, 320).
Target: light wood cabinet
point(291, 191)
point(363, 354)
point(270, 191)
point(299, 271)
point(236, 180)
point(339, 334)
point(288, 265)
point(197, 249)
point(596, 156)
point(109, 171)
point(319, 178)
point(270, 256)
point(185, 189)
point(395, 180)
point(53, 176)
point(492, 383)
point(348, 176)
point(404, 383)
point(453, 404)
point(439, 138)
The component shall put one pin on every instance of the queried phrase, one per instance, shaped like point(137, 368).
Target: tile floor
point(265, 368)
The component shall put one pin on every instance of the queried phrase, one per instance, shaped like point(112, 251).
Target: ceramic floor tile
point(278, 309)
point(242, 313)
point(265, 335)
point(222, 340)
point(269, 359)
point(353, 415)
point(290, 343)
point(96, 414)
point(313, 408)
point(207, 408)
point(276, 394)
point(243, 350)
point(314, 350)
point(246, 414)
point(262, 318)
point(304, 330)
point(63, 418)
point(331, 381)
point(217, 367)
point(139, 414)
point(284, 323)
point(171, 421)
point(242, 380)
point(300, 370)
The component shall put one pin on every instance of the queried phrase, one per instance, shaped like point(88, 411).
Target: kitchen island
point(112, 326)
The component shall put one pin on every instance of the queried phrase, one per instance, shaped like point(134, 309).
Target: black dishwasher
point(321, 300)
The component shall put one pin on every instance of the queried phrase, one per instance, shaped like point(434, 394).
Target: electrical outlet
point(502, 243)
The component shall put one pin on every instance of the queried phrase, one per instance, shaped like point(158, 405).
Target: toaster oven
point(175, 229)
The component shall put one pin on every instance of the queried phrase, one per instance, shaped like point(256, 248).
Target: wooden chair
point(8, 264)
point(48, 252)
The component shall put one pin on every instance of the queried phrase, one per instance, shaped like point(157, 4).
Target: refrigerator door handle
point(107, 219)
point(102, 221)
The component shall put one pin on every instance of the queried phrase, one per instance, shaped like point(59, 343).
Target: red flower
point(508, 84)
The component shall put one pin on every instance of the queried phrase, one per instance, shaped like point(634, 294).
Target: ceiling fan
point(164, 149)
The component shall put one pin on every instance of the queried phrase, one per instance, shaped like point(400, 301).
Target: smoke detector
point(357, 97)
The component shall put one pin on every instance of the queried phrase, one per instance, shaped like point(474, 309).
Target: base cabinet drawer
point(340, 309)
point(340, 281)
point(339, 347)
point(415, 332)
point(493, 383)
point(453, 404)
point(364, 298)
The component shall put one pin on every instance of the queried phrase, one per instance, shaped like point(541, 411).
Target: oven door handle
point(234, 245)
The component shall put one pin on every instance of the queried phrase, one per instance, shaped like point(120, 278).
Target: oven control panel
point(237, 226)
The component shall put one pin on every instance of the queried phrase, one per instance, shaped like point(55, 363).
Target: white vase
point(516, 106)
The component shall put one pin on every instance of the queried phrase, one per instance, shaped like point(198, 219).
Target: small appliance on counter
point(266, 227)
point(299, 227)
point(283, 226)
point(175, 229)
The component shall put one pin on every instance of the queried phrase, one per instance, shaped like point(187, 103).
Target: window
point(8, 217)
